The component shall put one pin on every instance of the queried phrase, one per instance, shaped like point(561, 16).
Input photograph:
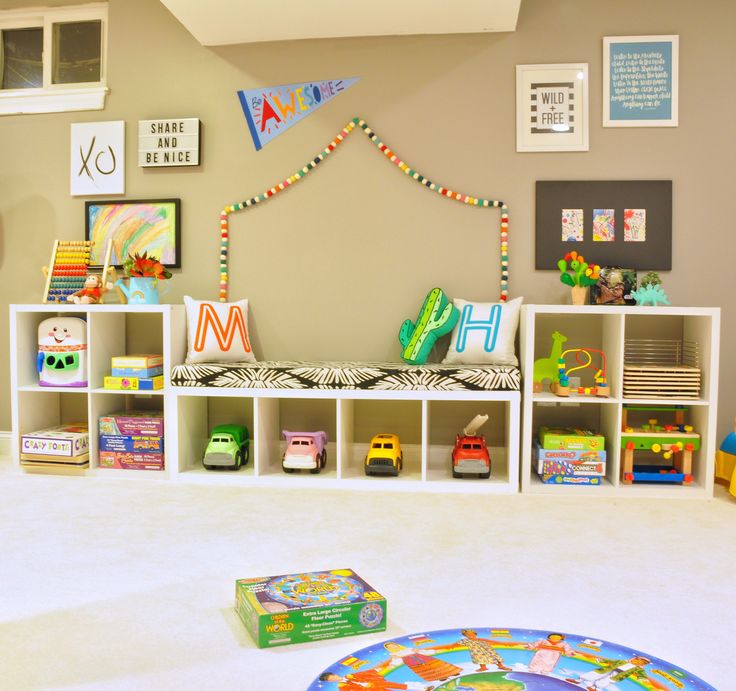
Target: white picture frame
point(640, 81)
point(97, 158)
point(552, 107)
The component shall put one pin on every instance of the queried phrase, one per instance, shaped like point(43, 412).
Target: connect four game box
point(300, 607)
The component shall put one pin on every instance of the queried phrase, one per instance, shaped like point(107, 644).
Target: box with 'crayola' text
point(295, 608)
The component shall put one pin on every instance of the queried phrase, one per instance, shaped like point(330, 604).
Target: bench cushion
point(385, 376)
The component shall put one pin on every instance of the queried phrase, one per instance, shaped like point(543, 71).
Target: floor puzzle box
point(295, 608)
point(145, 423)
point(570, 438)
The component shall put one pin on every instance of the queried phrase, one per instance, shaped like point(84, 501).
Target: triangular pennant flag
point(273, 109)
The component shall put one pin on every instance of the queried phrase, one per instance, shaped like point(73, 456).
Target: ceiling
point(221, 22)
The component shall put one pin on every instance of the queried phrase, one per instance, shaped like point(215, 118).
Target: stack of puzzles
point(132, 440)
point(136, 373)
point(64, 446)
point(570, 456)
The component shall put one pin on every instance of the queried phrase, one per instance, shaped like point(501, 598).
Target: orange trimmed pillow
point(217, 331)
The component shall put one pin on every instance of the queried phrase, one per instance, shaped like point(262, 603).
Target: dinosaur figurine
point(547, 367)
point(437, 317)
point(650, 294)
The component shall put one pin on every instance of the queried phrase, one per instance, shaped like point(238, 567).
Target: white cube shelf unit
point(606, 328)
point(426, 421)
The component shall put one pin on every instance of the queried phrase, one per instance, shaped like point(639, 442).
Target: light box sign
point(168, 142)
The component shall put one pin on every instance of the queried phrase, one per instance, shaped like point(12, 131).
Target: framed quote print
point(552, 107)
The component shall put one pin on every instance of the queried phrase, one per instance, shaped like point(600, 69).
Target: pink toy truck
point(304, 451)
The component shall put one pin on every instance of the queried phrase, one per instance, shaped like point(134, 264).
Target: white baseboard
point(5, 445)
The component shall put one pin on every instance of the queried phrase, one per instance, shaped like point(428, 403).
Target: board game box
point(134, 383)
point(295, 608)
point(570, 439)
point(137, 371)
point(571, 479)
point(127, 442)
point(131, 461)
point(145, 423)
point(62, 442)
point(137, 361)
point(567, 462)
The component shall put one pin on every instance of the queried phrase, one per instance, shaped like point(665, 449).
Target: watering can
point(141, 290)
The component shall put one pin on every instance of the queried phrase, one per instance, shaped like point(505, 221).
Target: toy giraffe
point(547, 367)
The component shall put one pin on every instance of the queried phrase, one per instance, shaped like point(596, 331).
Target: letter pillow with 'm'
point(485, 333)
point(436, 318)
point(217, 331)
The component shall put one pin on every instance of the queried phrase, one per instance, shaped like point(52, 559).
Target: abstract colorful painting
point(572, 225)
point(635, 225)
point(604, 229)
point(475, 659)
point(152, 226)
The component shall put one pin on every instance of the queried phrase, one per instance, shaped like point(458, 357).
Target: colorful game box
point(62, 442)
point(130, 443)
point(571, 479)
point(131, 461)
point(137, 361)
point(145, 423)
point(570, 439)
point(134, 383)
point(141, 372)
point(279, 610)
point(564, 462)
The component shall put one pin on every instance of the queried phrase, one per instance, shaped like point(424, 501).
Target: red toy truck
point(470, 455)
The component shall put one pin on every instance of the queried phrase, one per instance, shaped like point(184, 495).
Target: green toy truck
point(227, 448)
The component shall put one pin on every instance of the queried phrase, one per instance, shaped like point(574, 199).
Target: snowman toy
point(62, 352)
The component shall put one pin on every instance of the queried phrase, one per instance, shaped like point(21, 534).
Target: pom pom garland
point(394, 158)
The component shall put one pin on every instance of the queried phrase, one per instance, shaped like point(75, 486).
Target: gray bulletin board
point(653, 253)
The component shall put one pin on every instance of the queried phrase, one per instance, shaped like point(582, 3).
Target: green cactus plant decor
point(437, 317)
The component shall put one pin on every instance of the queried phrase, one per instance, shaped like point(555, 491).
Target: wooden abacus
point(68, 268)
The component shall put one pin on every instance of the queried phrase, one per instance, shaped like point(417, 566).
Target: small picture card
point(635, 225)
point(572, 225)
point(603, 225)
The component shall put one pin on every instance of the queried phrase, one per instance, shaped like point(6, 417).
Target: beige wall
point(335, 264)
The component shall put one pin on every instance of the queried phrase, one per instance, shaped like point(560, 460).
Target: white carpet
point(128, 584)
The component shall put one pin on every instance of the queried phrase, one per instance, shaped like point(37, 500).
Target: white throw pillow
point(485, 333)
point(217, 331)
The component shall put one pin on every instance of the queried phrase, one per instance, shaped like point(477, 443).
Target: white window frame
point(56, 98)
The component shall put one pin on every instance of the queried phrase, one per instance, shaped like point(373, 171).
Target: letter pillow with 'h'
point(217, 331)
point(485, 334)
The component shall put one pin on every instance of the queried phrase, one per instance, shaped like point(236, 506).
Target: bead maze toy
point(675, 441)
point(584, 360)
point(68, 270)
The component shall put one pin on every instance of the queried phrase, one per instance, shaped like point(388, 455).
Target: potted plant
point(143, 272)
point(578, 274)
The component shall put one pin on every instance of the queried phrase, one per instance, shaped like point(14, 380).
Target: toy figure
point(92, 292)
point(612, 671)
point(546, 367)
point(420, 662)
point(481, 651)
point(548, 652)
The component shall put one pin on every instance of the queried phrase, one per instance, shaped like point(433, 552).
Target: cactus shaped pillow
point(485, 333)
point(436, 318)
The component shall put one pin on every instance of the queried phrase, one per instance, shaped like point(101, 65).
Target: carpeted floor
point(129, 583)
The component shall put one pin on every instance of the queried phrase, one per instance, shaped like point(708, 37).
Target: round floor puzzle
point(483, 659)
point(318, 588)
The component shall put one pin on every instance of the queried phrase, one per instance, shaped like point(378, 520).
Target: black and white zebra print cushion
point(385, 376)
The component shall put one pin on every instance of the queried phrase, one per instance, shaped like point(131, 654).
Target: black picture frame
point(134, 225)
point(552, 196)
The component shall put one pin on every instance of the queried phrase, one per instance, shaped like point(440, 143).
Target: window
point(53, 59)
